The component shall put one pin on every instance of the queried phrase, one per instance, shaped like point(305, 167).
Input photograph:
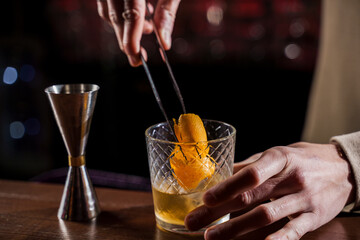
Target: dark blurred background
point(246, 62)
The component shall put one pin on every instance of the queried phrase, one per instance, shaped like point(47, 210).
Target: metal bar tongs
point(171, 74)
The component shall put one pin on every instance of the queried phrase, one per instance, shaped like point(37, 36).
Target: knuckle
point(254, 176)
point(299, 144)
point(267, 214)
point(313, 203)
point(166, 12)
point(131, 15)
point(300, 179)
point(282, 152)
point(245, 198)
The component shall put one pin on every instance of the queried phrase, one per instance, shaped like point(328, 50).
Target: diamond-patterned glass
point(202, 166)
point(160, 146)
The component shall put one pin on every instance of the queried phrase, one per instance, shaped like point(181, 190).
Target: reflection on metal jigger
point(68, 234)
point(73, 107)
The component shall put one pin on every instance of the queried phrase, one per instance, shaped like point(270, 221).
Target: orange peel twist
point(190, 160)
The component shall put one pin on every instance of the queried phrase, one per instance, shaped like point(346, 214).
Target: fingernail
point(210, 234)
point(134, 60)
point(209, 199)
point(273, 238)
point(190, 222)
point(276, 236)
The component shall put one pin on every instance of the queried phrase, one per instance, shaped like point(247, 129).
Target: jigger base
point(79, 201)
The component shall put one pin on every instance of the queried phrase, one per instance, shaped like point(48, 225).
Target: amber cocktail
point(182, 172)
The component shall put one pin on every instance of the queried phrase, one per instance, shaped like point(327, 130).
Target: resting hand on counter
point(127, 17)
point(308, 183)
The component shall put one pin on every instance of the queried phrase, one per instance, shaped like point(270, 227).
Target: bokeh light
point(297, 28)
point(292, 51)
point(214, 15)
point(180, 46)
point(10, 75)
point(17, 130)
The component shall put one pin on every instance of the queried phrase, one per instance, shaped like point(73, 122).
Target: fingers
point(260, 216)
point(203, 215)
point(269, 164)
point(148, 27)
point(127, 17)
point(245, 201)
point(115, 8)
point(134, 17)
point(295, 229)
point(103, 11)
point(164, 18)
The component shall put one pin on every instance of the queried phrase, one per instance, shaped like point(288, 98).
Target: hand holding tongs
point(165, 59)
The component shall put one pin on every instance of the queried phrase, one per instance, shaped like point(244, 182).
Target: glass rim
point(232, 134)
point(78, 87)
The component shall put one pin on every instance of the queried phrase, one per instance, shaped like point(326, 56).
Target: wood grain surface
point(28, 211)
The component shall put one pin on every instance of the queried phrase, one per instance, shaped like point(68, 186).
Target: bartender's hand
point(127, 17)
point(309, 183)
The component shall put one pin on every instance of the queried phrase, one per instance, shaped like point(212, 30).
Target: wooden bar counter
point(28, 211)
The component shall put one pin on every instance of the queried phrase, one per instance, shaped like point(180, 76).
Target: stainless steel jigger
point(73, 107)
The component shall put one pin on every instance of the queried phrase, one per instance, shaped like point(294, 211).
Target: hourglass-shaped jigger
point(73, 107)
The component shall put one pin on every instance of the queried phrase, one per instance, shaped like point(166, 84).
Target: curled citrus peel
point(190, 160)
